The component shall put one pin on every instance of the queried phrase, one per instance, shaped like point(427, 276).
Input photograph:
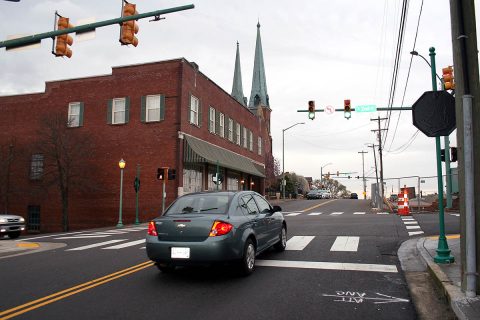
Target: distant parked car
point(216, 227)
point(314, 194)
point(11, 225)
point(353, 196)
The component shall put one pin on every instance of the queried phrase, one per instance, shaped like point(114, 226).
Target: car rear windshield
point(200, 203)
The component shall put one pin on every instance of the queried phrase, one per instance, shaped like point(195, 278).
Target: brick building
point(153, 115)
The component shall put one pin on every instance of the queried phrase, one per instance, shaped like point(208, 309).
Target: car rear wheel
point(14, 235)
point(282, 242)
point(247, 264)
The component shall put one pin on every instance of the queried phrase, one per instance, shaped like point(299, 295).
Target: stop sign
point(434, 113)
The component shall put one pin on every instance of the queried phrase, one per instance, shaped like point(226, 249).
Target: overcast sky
point(319, 50)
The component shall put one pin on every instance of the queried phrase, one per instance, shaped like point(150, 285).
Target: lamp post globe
point(121, 165)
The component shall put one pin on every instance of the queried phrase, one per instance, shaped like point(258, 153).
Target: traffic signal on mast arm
point(448, 79)
point(311, 110)
point(62, 42)
point(162, 173)
point(128, 29)
point(347, 109)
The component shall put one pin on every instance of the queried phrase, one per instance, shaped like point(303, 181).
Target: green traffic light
point(311, 115)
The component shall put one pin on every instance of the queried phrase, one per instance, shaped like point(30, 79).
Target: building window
point(75, 114)
point(194, 110)
point(230, 129)
point(118, 111)
point(259, 145)
point(245, 138)
point(221, 125)
point(238, 132)
point(250, 140)
point(233, 181)
point(211, 120)
point(212, 171)
point(33, 218)
point(192, 178)
point(153, 108)
point(36, 167)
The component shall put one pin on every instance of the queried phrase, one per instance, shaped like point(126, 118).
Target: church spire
point(237, 88)
point(259, 95)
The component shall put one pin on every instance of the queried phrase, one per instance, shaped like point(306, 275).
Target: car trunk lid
point(185, 227)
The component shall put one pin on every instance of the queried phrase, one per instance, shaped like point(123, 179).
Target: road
point(340, 263)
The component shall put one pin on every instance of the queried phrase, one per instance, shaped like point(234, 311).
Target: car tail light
point(152, 230)
point(220, 228)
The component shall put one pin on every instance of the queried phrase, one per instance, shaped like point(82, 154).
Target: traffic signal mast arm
point(19, 42)
point(353, 109)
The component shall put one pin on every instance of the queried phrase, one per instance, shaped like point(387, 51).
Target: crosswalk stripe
point(315, 213)
point(383, 212)
point(412, 227)
point(96, 245)
point(410, 222)
point(336, 213)
point(455, 214)
point(293, 214)
point(408, 219)
point(412, 233)
point(359, 213)
point(345, 244)
point(298, 242)
point(125, 245)
point(328, 265)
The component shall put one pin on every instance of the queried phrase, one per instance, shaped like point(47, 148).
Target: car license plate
point(180, 253)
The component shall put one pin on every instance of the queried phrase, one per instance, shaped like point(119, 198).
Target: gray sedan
point(212, 227)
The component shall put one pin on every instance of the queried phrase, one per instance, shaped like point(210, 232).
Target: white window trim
point(194, 109)
point(250, 140)
point(245, 138)
point(156, 105)
point(238, 129)
point(73, 119)
point(221, 125)
point(115, 100)
point(211, 124)
point(259, 146)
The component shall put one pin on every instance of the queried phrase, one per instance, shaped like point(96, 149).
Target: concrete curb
point(455, 297)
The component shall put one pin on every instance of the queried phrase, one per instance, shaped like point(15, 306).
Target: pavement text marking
point(360, 297)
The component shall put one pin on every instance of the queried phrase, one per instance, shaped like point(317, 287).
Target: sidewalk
point(417, 255)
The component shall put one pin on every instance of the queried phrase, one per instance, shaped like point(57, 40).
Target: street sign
point(329, 110)
point(366, 108)
point(434, 113)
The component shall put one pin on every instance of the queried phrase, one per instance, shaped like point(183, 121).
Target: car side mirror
point(276, 209)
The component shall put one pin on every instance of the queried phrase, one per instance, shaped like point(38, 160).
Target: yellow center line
point(317, 205)
point(452, 236)
point(32, 305)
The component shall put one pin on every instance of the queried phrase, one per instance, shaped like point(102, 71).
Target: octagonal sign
point(434, 113)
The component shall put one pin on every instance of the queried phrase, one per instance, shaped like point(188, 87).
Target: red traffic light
point(347, 109)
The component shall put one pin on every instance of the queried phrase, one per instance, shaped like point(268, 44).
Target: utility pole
point(382, 192)
point(363, 175)
point(465, 60)
point(376, 174)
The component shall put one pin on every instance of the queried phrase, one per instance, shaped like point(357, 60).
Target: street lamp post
point(283, 156)
point(321, 172)
point(121, 165)
point(443, 252)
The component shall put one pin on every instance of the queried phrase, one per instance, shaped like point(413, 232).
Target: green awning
point(197, 150)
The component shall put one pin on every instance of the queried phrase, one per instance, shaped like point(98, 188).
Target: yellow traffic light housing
point(311, 110)
point(448, 79)
point(128, 29)
point(62, 42)
point(347, 109)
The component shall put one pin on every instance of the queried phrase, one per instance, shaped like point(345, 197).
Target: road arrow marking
point(360, 297)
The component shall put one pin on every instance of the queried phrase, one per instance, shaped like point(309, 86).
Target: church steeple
point(259, 95)
point(237, 88)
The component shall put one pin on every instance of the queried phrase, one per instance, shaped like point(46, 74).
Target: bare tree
point(272, 170)
point(66, 153)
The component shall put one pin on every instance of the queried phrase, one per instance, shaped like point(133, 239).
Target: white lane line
point(298, 242)
point(293, 214)
point(114, 231)
point(359, 213)
point(143, 247)
point(124, 245)
point(96, 245)
point(410, 222)
point(336, 213)
point(455, 214)
point(315, 213)
point(80, 236)
point(383, 212)
point(412, 233)
point(345, 244)
point(412, 227)
point(408, 219)
point(52, 235)
point(328, 265)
